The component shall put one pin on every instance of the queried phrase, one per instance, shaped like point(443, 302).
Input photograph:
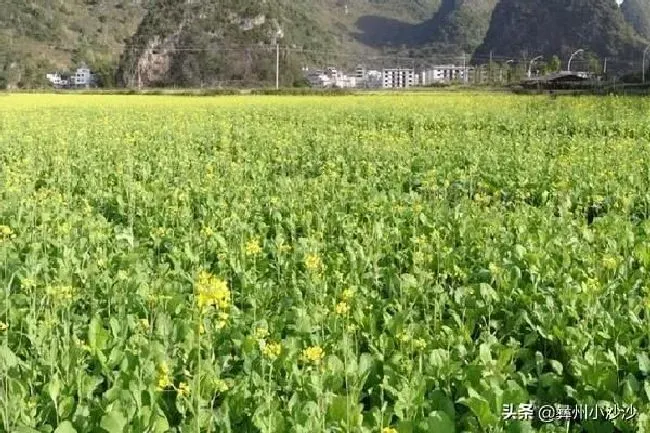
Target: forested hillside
point(201, 42)
point(558, 27)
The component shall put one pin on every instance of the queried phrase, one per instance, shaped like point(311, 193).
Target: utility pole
point(643, 72)
point(464, 69)
point(277, 65)
point(490, 69)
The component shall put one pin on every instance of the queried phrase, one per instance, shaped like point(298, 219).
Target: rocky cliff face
point(637, 13)
point(558, 27)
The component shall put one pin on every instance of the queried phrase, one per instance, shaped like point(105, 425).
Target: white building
point(82, 77)
point(445, 74)
point(319, 79)
point(398, 78)
point(54, 78)
point(344, 81)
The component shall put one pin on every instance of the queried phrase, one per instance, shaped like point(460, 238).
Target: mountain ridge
point(124, 39)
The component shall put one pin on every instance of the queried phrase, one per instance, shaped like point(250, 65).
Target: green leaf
point(480, 408)
point(113, 422)
point(24, 429)
point(97, 335)
point(557, 367)
point(644, 362)
point(159, 424)
point(8, 359)
point(65, 427)
point(54, 388)
point(338, 411)
point(438, 422)
point(405, 427)
point(440, 402)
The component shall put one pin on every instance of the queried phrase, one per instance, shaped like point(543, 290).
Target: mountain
point(637, 13)
point(462, 24)
point(192, 44)
point(41, 35)
point(209, 42)
point(559, 27)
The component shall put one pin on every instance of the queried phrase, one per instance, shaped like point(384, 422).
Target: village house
point(82, 77)
point(398, 78)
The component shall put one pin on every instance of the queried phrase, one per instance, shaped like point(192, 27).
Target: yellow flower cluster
point(253, 247)
point(207, 232)
point(419, 343)
point(388, 430)
point(183, 389)
point(348, 294)
point(221, 385)
point(6, 233)
point(609, 263)
point(81, 344)
point(223, 320)
point(342, 308)
point(313, 354)
point(272, 350)
point(164, 380)
point(63, 293)
point(260, 332)
point(313, 262)
point(159, 232)
point(284, 248)
point(28, 284)
point(212, 291)
point(3, 326)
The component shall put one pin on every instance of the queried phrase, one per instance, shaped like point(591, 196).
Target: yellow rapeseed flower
point(63, 293)
point(313, 262)
point(212, 291)
point(260, 332)
point(158, 232)
point(183, 389)
point(28, 283)
point(253, 247)
point(342, 308)
point(6, 233)
point(388, 430)
point(221, 385)
point(163, 382)
point(223, 320)
point(609, 262)
point(404, 337)
point(272, 350)
point(348, 294)
point(207, 232)
point(313, 354)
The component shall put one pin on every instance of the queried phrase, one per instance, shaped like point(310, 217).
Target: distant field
point(305, 264)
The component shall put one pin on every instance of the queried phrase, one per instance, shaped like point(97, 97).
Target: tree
point(554, 65)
